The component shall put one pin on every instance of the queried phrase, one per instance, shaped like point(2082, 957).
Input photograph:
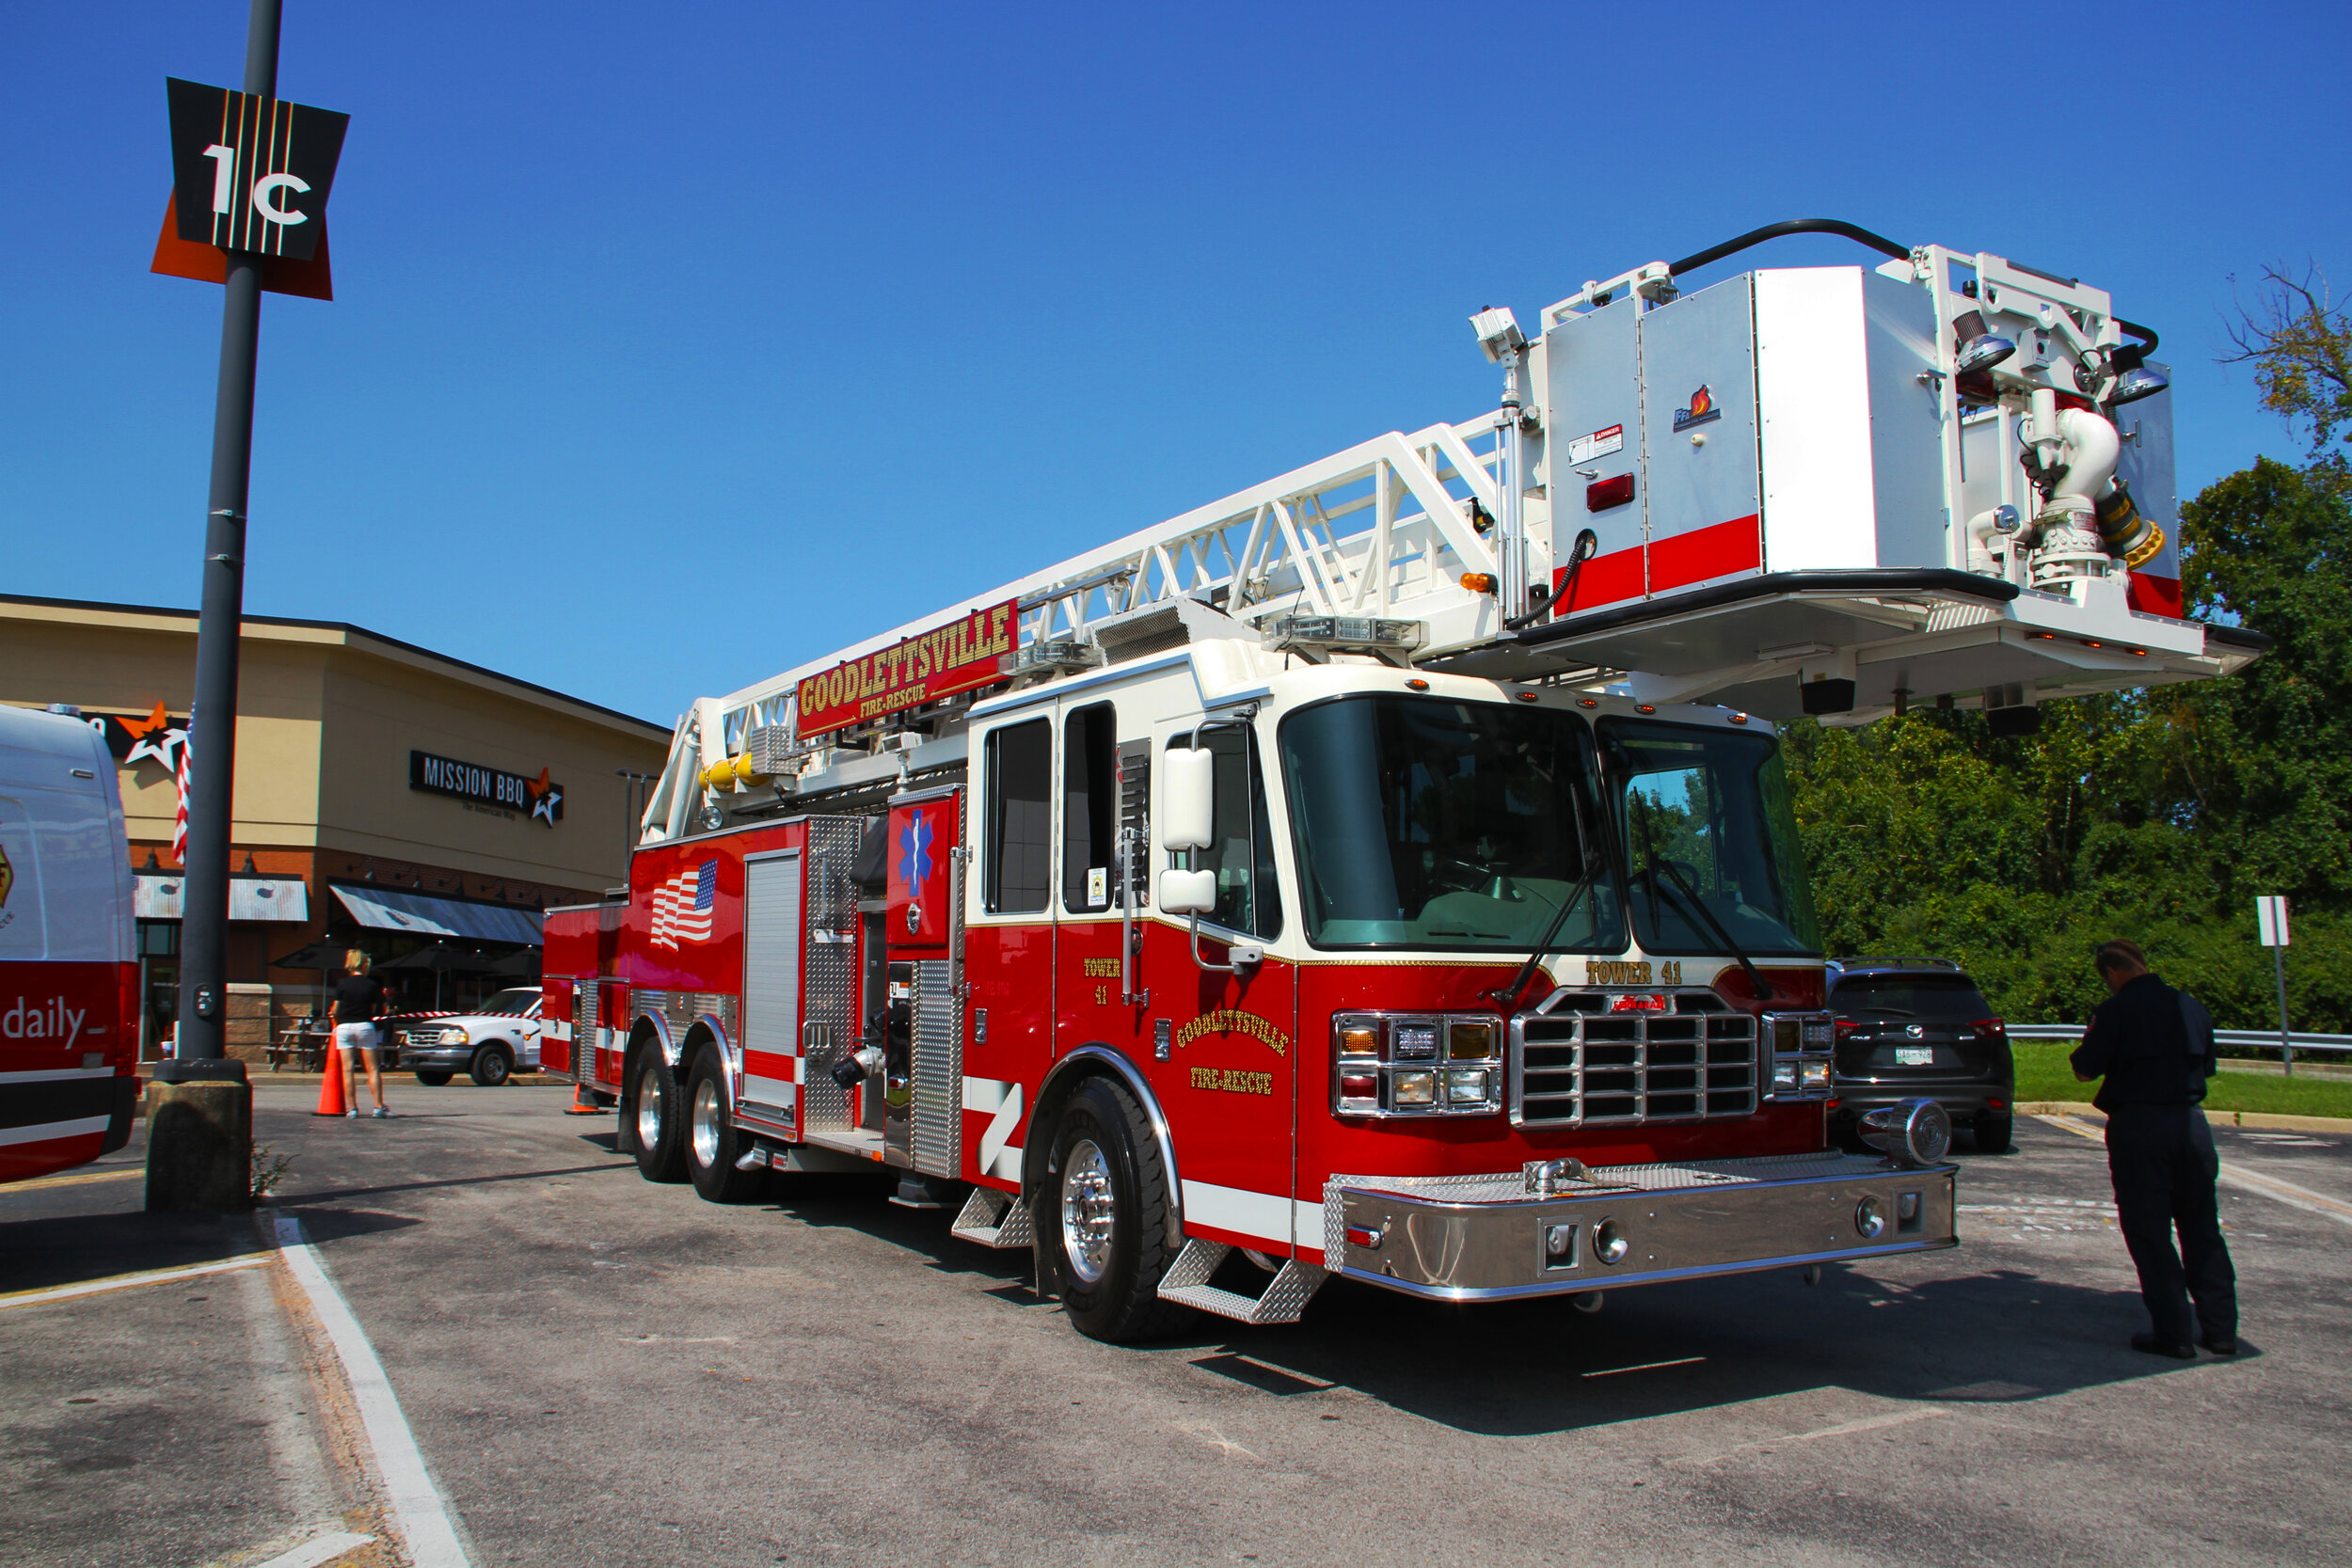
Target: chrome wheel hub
point(704, 1124)
point(648, 1110)
point(1086, 1212)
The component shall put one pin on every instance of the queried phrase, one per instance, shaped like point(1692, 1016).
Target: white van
point(69, 979)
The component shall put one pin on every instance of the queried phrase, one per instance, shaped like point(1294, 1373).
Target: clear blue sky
point(676, 344)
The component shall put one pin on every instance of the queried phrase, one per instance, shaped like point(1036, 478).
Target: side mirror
point(1188, 802)
point(1188, 892)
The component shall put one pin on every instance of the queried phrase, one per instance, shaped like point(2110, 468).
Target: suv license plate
point(1914, 1056)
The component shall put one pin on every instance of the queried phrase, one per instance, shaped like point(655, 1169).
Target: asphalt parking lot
point(597, 1371)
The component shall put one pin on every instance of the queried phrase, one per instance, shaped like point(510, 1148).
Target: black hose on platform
point(1794, 225)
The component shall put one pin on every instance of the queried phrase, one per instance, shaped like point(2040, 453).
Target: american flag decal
point(681, 905)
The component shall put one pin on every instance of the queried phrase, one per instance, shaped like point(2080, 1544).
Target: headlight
point(451, 1036)
point(1415, 1042)
point(1416, 1063)
point(1469, 1041)
point(1800, 1046)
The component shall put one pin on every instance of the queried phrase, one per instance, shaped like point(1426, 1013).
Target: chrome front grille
point(1574, 1063)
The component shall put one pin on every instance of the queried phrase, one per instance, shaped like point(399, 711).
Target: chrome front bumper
point(1486, 1237)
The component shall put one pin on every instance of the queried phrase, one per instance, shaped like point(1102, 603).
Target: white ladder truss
point(1384, 529)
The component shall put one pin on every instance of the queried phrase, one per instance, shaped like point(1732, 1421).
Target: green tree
point(2299, 342)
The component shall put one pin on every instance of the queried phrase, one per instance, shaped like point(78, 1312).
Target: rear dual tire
point(652, 1127)
point(712, 1141)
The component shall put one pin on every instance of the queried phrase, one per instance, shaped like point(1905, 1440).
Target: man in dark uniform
point(2154, 1047)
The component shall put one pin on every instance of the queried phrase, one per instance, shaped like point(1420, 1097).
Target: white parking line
point(317, 1550)
point(417, 1504)
point(1843, 1429)
point(2287, 1192)
point(2236, 1175)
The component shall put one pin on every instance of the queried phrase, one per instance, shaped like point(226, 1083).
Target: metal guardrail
point(2259, 1037)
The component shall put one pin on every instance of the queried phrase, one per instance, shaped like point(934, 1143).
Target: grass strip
point(2042, 1074)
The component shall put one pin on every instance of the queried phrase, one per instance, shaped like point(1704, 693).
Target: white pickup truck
point(490, 1043)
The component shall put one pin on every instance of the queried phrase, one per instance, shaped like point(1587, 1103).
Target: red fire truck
point(1390, 871)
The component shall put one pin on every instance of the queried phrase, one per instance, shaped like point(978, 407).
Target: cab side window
point(1241, 848)
point(1090, 809)
point(1019, 780)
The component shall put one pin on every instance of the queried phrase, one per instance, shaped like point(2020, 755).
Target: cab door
point(1096, 1000)
point(1228, 1081)
point(1007, 946)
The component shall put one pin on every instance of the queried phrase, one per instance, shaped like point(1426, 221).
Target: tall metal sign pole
point(2270, 924)
point(203, 974)
point(250, 176)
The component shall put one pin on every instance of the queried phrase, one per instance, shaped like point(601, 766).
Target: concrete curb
point(2084, 1109)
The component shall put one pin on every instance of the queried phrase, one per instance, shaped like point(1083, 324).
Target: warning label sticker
point(1600, 443)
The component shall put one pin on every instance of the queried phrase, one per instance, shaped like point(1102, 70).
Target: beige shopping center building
point(386, 796)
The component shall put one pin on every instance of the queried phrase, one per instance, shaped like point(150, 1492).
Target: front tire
point(1995, 1133)
point(491, 1066)
point(1103, 1223)
point(651, 1119)
point(712, 1143)
point(433, 1078)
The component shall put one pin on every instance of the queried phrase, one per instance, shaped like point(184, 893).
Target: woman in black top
point(358, 1002)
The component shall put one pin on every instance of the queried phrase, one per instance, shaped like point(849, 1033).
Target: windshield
point(1911, 996)
point(516, 1002)
point(1706, 821)
point(1428, 823)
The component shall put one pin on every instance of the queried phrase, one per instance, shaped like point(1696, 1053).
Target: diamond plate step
point(993, 1219)
point(1186, 1281)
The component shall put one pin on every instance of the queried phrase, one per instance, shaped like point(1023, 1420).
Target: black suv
point(1918, 1028)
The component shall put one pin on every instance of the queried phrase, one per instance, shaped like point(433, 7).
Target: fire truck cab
point(1390, 871)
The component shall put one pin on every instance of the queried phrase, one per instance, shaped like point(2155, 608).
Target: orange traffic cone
point(583, 1102)
point(331, 1091)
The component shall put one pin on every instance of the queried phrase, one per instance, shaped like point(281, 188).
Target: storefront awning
point(280, 898)
point(388, 910)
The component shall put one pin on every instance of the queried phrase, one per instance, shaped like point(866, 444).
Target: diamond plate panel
point(937, 1023)
point(829, 994)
